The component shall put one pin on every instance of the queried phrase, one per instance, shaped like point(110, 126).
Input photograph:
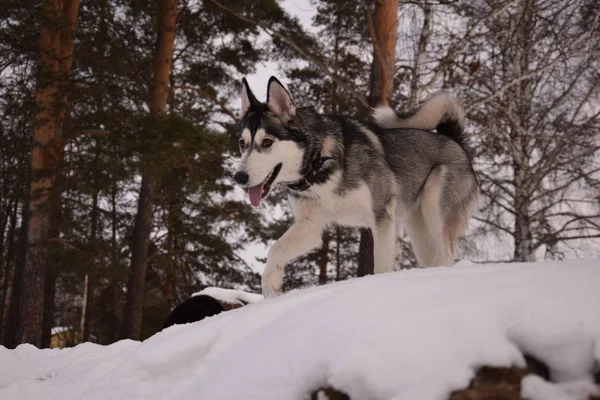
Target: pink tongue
point(255, 193)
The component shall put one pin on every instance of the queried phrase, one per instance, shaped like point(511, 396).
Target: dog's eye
point(267, 143)
point(242, 143)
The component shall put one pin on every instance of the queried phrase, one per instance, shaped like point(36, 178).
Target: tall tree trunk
point(11, 339)
point(57, 33)
point(134, 302)
point(366, 262)
point(114, 290)
point(383, 28)
point(169, 269)
point(86, 302)
point(5, 236)
point(174, 219)
point(519, 107)
point(338, 261)
point(115, 305)
point(324, 258)
point(419, 57)
point(8, 269)
point(88, 282)
point(132, 319)
point(54, 249)
point(70, 10)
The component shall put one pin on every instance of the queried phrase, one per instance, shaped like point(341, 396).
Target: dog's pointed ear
point(248, 99)
point(279, 100)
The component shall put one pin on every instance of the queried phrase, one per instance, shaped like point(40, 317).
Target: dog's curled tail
point(441, 112)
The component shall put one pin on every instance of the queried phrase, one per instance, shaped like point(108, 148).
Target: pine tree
point(383, 28)
point(57, 29)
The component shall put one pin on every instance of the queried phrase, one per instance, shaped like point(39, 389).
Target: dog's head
point(272, 148)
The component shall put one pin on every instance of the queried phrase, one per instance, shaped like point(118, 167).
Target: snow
point(230, 296)
point(417, 334)
point(535, 388)
point(59, 329)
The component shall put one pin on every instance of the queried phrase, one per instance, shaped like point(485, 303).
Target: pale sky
point(495, 248)
point(258, 81)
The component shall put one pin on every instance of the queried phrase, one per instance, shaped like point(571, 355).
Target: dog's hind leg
point(456, 222)
point(420, 239)
point(427, 223)
point(454, 226)
point(398, 246)
point(303, 236)
point(384, 238)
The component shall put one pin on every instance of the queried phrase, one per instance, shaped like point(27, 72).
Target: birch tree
point(529, 75)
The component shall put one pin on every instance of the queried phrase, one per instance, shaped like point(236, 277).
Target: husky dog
point(388, 176)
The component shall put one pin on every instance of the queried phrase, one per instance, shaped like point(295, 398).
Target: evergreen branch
point(176, 253)
point(209, 96)
point(64, 244)
point(90, 132)
point(239, 258)
point(197, 252)
point(302, 52)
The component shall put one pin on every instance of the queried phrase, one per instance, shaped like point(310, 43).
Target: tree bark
point(383, 27)
point(170, 246)
point(323, 259)
point(70, 11)
point(5, 236)
point(384, 34)
point(88, 282)
point(8, 269)
point(114, 290)
point(366, 262)
point(57, 33)
point(134, 302)
point(53, 259)
point(419, 56)
point(132, 319)
point(519, 106)
point(338, 261)
point(169, 270)
point(11, 339)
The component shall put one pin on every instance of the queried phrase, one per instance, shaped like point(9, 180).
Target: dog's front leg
point(303, 236)
point(384, 238)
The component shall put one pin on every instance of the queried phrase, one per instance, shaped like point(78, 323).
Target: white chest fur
point(324, 204)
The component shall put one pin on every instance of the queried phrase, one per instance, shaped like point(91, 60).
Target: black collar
point(311, 176)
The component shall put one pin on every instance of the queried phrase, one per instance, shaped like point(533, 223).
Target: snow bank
point(230, 296)
point(418, 334)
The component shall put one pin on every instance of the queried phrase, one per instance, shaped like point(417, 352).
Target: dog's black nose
point(241, 177)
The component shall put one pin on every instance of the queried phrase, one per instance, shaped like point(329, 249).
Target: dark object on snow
point(194, 309)
point(489, 383)
point(329, 394)
point(496, 383)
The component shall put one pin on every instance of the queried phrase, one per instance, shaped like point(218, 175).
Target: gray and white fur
point(392, 175)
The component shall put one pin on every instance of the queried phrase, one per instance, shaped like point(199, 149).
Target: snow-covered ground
point(231, 296)
point(412, 335)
